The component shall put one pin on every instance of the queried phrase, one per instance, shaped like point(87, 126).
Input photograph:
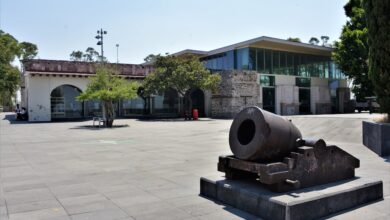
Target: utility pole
point(117, 48)
point(100, 42)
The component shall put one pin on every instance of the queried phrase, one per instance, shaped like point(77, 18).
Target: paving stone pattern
point(143, 169)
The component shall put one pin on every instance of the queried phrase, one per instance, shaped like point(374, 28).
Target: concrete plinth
point(376, 138)
point(309, 203)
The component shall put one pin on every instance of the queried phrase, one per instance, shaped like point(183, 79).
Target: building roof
point(77, 68)
point(190, 52)
point(268, 43)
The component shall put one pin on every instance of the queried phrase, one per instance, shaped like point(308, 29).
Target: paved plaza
point(144, 169)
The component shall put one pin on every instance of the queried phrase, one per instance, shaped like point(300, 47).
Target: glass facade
point(64, 104)
point(268, 90)
point(167, 103)
point(134, 106)
point(274, 62)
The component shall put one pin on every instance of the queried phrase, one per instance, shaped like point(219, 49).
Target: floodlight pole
point(100, 42)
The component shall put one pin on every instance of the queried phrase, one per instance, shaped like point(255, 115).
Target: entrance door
point(269, 99)
point(304, 101)
point(197, 97)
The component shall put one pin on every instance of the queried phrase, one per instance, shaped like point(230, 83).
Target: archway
point(197, 97)
point(63, 103)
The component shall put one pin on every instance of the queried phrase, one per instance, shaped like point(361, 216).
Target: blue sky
point(155, 26)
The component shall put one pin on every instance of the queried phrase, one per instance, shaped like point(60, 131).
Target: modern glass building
point(293, 78)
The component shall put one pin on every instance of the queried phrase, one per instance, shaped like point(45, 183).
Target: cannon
point(270, 150)
point(256, 134)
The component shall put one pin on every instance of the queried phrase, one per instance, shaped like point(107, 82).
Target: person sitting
point(23, 114)
point(17, 111)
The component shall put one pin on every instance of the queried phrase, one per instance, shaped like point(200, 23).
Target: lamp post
point(117, 48)
point(99, 36)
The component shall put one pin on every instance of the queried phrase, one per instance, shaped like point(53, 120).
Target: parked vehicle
point(369, 105)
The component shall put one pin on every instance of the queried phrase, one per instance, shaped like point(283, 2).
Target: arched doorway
point(197, 97)
point(64, 104)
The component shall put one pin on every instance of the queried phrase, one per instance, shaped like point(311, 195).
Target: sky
point(145, 27)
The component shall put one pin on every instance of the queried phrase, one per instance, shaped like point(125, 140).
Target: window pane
point(260, 60)
point(282, 63)
point(268, 61)
point(244, 58)
point(252, 59)
point(276, 62)
point(267, 80)
point(290, 64)
point(302, 82)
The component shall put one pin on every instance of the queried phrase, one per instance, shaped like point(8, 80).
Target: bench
point(99, 120)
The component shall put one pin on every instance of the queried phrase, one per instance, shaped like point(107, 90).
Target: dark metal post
point(100, 42)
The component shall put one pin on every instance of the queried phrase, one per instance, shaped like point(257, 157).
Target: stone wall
point(238, 89)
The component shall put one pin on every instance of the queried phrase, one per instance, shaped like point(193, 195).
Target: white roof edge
point(200, 52)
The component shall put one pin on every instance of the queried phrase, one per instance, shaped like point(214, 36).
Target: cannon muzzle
point(259, 135)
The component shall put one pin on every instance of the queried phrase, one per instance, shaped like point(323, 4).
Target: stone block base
point(309, 203)
point(376, 137)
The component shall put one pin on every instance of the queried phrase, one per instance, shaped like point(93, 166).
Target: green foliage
point(324, 40)
point(351, 52)
point(294, 39)
point(314, 41)
point(107, 86)
point(378, 23)
point(76, 55)
point(180, 74)
point(28, 50)
point(10, 50)
point(90, 55)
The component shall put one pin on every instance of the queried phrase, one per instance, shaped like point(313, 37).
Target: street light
point(99, 36)
point(117, 48)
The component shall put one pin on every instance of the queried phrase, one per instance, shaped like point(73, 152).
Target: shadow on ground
point(173, 120)
point(91, 127)
point(12, 119)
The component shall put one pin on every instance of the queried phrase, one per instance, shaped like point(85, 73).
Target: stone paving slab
point(116, 173)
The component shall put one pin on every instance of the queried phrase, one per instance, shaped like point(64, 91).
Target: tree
point(141, 93)
point(91, 55)
point(378, 17)
point(108, 87)
point(324, 40)
point(10, 50)
point(182, 74)
point(314, 41)
point(294, 39)
point(351, 52)
point(76, 55)
point(28, 50)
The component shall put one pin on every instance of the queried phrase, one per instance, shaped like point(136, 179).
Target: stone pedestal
point(376, 137)
point(309, 203)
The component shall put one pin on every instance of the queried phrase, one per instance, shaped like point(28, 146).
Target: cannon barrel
point(259, 135)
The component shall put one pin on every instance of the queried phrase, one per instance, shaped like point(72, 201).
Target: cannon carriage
point(270, 149)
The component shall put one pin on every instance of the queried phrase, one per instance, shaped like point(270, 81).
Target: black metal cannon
point(270, 149)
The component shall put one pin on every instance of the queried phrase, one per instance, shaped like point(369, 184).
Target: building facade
point(278, 75)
